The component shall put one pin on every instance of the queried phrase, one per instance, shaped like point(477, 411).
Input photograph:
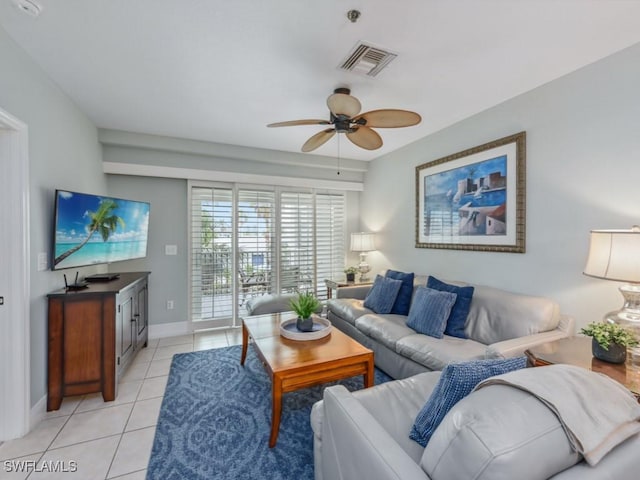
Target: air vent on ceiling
point(367, 60)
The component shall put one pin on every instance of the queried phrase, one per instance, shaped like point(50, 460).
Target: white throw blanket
point(596, 412)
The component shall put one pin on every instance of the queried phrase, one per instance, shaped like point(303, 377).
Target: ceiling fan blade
point(318, 140)
point(343, 104)
point(365, 138)
point(292, 123)
point(390, 118)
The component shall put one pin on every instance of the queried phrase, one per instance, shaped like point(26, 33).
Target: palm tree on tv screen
point(102, 221)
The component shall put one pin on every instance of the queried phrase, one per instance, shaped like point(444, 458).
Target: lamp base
point(363, 268)
point(629, 316)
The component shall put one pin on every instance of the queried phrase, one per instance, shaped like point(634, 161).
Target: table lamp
point(363, 242)
point(615, 255)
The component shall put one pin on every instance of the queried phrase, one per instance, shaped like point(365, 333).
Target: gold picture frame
point(474, 199)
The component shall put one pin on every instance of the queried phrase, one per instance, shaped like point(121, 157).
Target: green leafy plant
point(305, 304)
point(606, 333)
point(351, 270)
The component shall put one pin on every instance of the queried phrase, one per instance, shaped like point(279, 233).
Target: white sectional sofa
point(496, 433)
point(499, 324)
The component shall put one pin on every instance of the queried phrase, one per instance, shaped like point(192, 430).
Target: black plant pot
point(615, 354)
point(351, 277)
point(304, 324)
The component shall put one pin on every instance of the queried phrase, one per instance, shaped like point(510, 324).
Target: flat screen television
point(93, 229)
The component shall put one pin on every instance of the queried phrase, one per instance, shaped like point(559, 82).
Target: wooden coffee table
point(293, 365)
point(577, 351)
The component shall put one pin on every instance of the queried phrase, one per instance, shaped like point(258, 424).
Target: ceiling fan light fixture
point(341, 103)
point(344, 109)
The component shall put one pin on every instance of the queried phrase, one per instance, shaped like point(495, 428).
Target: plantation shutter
point(211, 253)
point(256, 243)
point(330, 239)
point(251, 241)
point(296, 242)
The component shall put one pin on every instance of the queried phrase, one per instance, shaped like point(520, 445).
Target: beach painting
point(473, 200)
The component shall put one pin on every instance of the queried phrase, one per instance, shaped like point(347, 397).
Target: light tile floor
point(106, 440)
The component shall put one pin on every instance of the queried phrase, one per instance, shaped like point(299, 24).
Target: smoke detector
point(365, 59)
point(30, 7)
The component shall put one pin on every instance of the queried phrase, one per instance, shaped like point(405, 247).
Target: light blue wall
point(583, 165)
point(63, 153)
point(168, 223)
point(167, 226)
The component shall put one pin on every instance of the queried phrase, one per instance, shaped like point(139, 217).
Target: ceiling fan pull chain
point(338, 154)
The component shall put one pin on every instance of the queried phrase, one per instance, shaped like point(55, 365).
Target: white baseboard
point(38, 412)
point(172, 329)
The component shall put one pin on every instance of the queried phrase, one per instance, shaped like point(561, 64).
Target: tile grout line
point(74, 411)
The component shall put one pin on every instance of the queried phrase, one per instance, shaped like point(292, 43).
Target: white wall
point(583, 165)
point(63, 153)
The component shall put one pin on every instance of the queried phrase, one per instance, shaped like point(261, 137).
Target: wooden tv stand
point(94, 334)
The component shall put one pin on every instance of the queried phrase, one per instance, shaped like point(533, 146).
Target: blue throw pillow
point(403, 300)
point(460, 311)
point(383, 294)
point(430, 310)
point(456, 382)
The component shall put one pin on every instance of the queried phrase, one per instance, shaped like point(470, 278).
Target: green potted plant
point(610, 341)
point(304, 306)
point(351, 273)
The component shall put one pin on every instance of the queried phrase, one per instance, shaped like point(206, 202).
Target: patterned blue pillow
point(456, 382)
point(403, 300)
point(460, 311)
point(383, 294)
point(430, 310)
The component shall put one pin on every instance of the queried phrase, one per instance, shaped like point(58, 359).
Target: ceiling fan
point(345, 117)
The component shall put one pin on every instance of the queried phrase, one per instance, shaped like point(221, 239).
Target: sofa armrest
point(355, 445)
point(517, 346)
point(358, 292)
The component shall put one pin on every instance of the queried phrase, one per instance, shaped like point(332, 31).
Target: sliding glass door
point(247, 242)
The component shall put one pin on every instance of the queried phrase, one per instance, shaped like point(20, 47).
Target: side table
point(577, 351)
point(335, 284)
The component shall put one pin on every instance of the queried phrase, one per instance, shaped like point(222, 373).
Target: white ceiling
point(220, 70)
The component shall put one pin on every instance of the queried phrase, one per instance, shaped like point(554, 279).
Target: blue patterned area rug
point(215, 421)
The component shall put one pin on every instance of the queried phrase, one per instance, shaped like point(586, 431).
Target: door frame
point(15, 373)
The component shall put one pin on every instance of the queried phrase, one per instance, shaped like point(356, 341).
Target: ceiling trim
point(122, 138)
point(135, 169)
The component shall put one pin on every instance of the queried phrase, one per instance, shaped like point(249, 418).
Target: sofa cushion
point(498, 433)
point(403, 300)
point(383, 294)
point(496, 315)
point(347, 309)
point(430, 310)
point(386, 329)
point(456, 382)
point(436, 353)
point(460, 310)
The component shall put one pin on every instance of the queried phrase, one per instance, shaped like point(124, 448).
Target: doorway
point(15, 397)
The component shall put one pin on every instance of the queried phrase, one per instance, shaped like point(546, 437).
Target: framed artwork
point(475, 199)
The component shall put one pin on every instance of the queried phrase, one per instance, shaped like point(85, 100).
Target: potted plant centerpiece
point(610, 341)
point(351, 273)
point(304, 306)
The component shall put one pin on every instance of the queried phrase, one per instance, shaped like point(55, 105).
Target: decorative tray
point(321, 328)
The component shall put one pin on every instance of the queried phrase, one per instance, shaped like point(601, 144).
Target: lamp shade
point(363, 242)
point(614, 255)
